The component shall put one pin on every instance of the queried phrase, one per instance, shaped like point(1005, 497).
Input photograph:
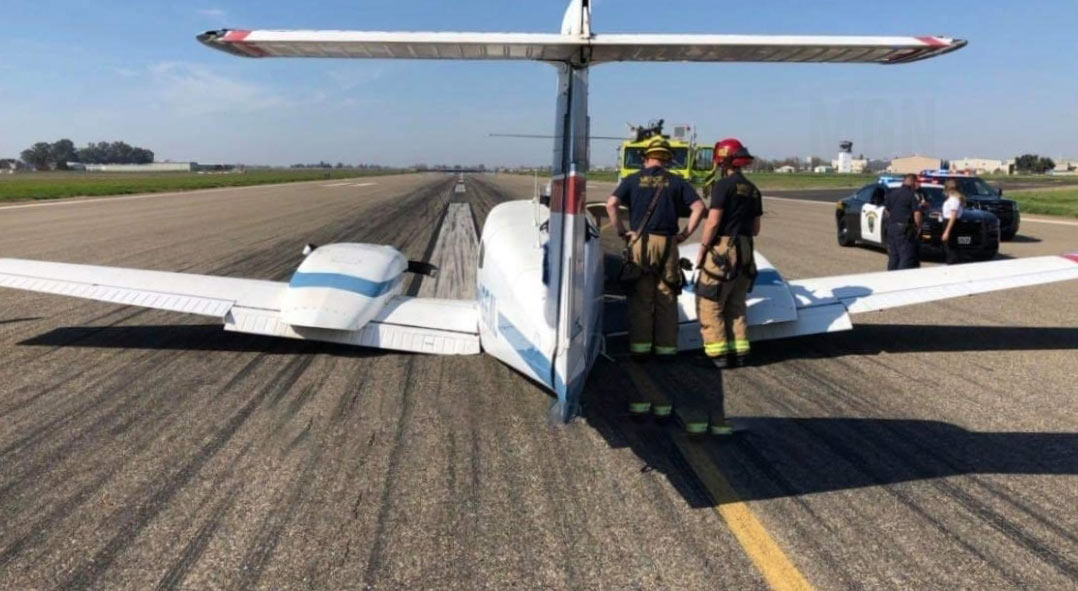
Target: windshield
point(634, 158)
point(703, 159)
point(975, 187)
point(933, 196)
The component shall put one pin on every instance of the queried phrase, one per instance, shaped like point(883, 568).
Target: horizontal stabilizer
point(568, 48)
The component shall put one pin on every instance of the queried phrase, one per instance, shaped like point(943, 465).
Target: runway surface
point(934, 447)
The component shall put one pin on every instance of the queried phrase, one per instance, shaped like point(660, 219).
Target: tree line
point(1033, 163)
point(57, 155)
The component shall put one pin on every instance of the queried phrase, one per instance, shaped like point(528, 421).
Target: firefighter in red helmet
point(725, 261)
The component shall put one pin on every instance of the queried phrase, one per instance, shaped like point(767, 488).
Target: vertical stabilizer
point(577, 20)
point(565, 303)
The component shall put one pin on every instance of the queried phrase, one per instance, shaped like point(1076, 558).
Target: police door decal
point(872, 223)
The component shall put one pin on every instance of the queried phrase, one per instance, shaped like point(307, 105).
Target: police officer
point(725, 260)
point(902, 218)
point(654, 196)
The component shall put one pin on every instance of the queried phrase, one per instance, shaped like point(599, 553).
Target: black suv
point(980, 195)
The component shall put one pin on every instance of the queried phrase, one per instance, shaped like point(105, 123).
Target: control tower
point(845, 157)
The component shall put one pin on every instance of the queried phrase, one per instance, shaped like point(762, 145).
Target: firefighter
point(902, 216)
point(651, 273)
point(725, 261)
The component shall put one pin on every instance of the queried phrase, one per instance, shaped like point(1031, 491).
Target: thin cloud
point(214, 14)
point(354, 77)
point(195, 90)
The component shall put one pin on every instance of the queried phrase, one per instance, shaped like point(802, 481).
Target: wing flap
point(407, 327)
point(870, 292)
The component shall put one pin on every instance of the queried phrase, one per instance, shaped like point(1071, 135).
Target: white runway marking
point(336, 184)
point(1044, 221)
point(363, 184)
point(831, 203)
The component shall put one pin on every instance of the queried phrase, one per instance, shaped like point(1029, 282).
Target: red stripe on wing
point(1072, 256)
point(235, 36)
point(238, 39)
point(932, 41)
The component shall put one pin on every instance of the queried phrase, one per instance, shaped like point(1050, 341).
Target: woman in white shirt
point(952, 210)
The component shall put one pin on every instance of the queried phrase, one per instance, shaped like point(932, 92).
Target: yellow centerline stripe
point(774, 566)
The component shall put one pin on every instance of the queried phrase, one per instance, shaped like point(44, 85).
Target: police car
point(859, 219)
point(980, 195)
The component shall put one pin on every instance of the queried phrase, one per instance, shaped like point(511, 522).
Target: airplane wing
point(422, 325)
point(562, 48)
point(383, 45)
point(780, 309)
point(768, 48)
point(868, 292)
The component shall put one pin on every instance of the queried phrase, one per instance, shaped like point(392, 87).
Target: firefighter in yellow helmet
point(651, 273)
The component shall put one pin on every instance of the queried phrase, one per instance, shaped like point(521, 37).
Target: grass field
point(55, 185)
point(1055, 201)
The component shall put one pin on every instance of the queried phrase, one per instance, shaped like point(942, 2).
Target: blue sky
point(96, 70)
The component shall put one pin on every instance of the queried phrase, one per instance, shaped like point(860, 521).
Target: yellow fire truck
point(691, 161)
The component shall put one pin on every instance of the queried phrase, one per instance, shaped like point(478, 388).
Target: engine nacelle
point(343, 286)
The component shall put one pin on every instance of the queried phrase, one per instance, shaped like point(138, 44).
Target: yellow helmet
point(658, 148)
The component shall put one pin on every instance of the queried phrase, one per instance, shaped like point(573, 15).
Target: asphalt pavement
point(933, 447)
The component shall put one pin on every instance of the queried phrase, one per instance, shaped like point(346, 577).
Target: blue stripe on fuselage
point(365, 287)
point(528, 352)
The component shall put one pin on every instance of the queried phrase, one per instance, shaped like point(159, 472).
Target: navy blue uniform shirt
point(740, 202)
point(899, 205)
point(636, 191)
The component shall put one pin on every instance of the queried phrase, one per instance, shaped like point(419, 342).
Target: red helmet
point(731, 152)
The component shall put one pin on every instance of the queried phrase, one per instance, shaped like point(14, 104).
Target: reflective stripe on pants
point(652, 302)
point(723, 325)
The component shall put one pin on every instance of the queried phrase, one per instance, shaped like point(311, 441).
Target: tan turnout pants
point(722, 322)
point(652, 301)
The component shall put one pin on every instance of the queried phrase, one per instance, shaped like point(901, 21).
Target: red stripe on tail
point(568, 195)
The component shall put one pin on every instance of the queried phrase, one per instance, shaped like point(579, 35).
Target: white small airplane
point(540, 276)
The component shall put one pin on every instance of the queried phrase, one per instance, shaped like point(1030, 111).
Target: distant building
point(786, 169)
point(980, 166)
point(914, 164)
point(9, 165)
point(823, 169)
point(1065, 166)
point(151, 167)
